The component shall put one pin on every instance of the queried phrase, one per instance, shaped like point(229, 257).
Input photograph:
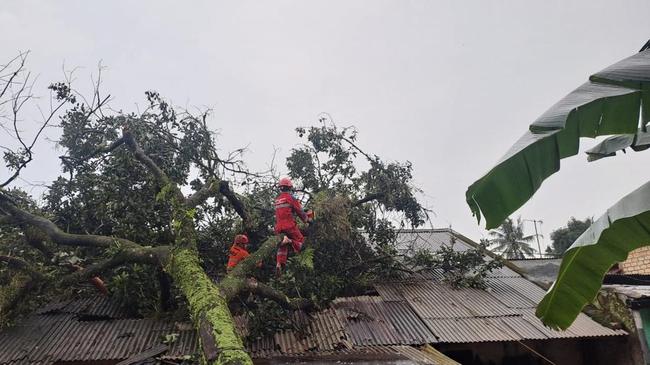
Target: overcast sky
point(448, 85)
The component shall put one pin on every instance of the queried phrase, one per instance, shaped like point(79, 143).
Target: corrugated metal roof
point(97, 306)
point(435, 300)
point(525, 287)
point(429, 240)
point(371, 321)
point(464, 330)
point(470, 315)
point(429, 303)
point(365, 320)
point(51, 338)
point(321, 331)
point(415, 311)
point(507, 295)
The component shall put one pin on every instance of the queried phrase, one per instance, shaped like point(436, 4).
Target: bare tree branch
point(235, 201)
point(369, 197)
point(144, 159)
point(99, 151)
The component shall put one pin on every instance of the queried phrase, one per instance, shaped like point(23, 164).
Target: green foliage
point(136, 288)
point(613, 101)
point(329, 160)
point(105, 191)
point(460, 269)
point(265, 318)
point(509, 240)
point(562, 238)
point(305, 258)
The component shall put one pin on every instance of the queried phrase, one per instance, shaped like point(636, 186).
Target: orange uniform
point(238, 251)
point(286, 208)
point(237, 254)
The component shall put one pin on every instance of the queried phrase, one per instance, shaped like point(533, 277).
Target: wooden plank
point(144, 355)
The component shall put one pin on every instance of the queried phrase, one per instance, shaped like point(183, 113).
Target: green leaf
point(306, 259)
point(608, 104)
point(623, 228)
point(609, 146)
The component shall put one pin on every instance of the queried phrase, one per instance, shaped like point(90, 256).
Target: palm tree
point(510, 241)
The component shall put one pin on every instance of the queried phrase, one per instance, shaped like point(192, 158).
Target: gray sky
point(448, 85)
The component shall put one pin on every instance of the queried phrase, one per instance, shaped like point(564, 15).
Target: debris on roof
point(51, 338)
point(399, 323)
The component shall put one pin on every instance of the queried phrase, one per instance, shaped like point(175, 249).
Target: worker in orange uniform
point(238, 251)
point(286, 208)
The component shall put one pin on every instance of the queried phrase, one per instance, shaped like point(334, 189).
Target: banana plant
point(609, 103)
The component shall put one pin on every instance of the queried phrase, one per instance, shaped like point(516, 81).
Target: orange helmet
point(285, 181)
point(241, 239)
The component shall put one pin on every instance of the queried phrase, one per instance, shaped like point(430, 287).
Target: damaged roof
point(422, 310)
point(414, 311)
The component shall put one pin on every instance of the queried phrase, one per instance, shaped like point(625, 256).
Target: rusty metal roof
point(94, 306)
point(371, 321)
point(50, 338)
point(418, 310)
point(503, 312)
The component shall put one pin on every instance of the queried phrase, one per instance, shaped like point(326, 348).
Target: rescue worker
point(238, 251)
point(286, 206)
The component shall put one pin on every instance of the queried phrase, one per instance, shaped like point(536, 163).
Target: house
point(417, 320)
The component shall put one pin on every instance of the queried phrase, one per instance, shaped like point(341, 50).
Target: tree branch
point(55, 233)
point(150, 256)
point(262, 290)
point(370, 197)
point(237, 204)
point(141, 156)
point(99, 151)
point(21, 265)
point(209, 190)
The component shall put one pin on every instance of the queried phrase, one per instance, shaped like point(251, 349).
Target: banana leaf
point(609, 146)
point(623, 228)
point(608, 104)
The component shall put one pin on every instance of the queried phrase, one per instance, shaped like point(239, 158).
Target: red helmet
point(285, 181)
point(241, 239)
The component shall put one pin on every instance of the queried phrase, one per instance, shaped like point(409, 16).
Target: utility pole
point(539, 247)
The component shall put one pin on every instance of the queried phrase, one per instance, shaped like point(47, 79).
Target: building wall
point(638, 262)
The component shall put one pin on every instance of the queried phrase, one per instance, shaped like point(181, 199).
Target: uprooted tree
point(148, 200)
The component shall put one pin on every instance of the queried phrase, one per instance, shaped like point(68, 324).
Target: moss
point(206, 299)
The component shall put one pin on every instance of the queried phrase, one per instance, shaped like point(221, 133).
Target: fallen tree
point(121, 204)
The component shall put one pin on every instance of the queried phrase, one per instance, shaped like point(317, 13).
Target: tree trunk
point(209, 310)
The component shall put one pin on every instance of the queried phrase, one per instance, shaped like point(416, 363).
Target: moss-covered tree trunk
point(209, 309)
point(206, 301)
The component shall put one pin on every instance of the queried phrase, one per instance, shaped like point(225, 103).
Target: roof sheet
point(371, 321)
point(96, 306)
point(51, 338)
point(471, 315)
point(414, 311)
point(429, 239)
